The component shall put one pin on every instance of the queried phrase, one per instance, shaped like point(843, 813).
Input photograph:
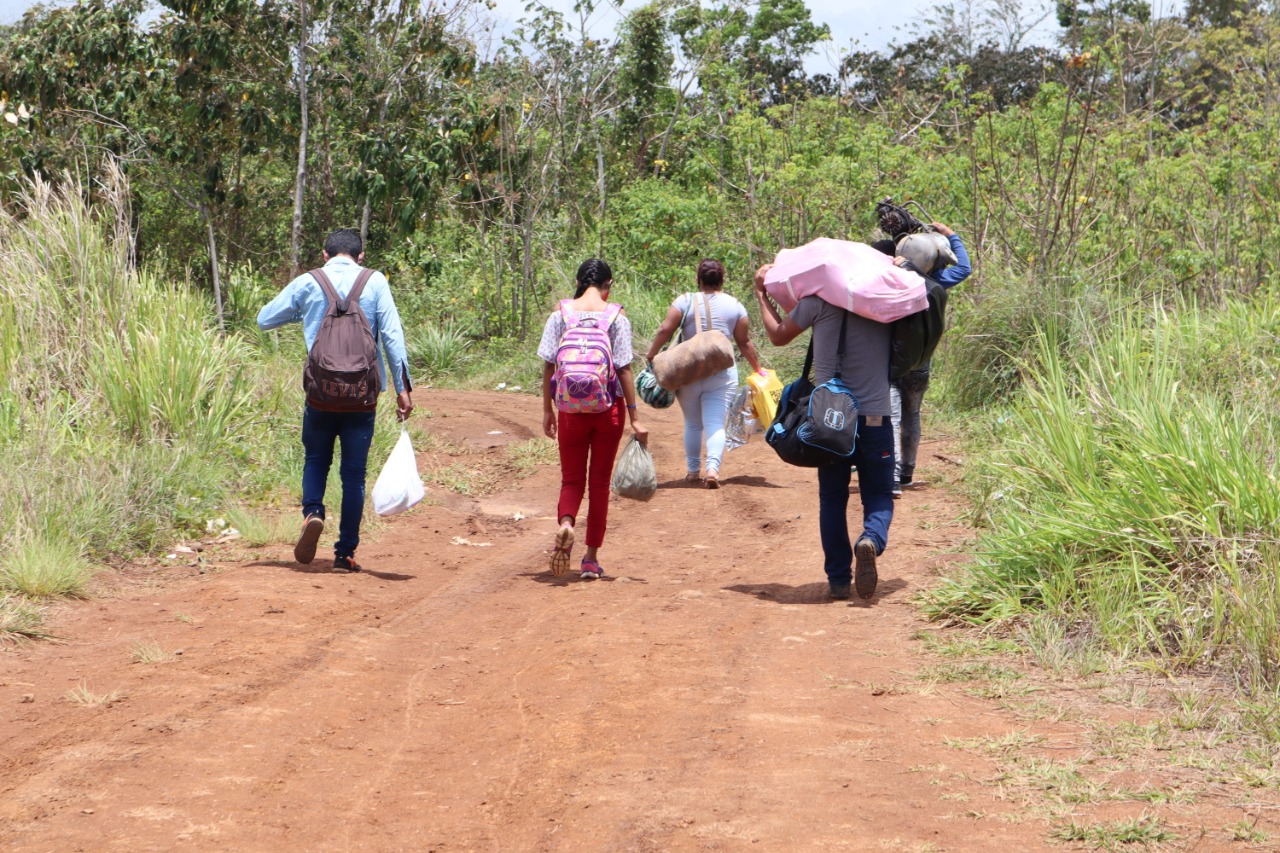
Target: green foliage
point(127, 419)
point(1131, 489)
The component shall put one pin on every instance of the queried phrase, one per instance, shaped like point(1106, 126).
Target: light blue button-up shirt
point(304, 301)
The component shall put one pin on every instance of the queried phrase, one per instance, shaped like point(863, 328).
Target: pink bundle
point(849, 275)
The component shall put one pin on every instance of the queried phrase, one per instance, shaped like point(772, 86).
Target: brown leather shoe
point(305, 549)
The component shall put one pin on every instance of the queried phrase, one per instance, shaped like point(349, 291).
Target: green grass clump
point(39, 567)
point(1124, 494)
point(439, 352)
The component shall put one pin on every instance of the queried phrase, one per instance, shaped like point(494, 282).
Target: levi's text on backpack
point(342, 368)
point(585, 381)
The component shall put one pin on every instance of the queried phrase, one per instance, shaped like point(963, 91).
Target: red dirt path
point(706, 694)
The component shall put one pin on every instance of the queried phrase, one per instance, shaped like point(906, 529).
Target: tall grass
point(1135, 489)
point(125, 418)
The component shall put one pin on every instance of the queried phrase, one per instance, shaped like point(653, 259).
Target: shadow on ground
point(326, 569)
point(811, 593)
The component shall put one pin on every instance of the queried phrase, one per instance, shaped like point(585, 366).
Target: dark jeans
point(319, 432)
point(909, 391)
point(874, 460)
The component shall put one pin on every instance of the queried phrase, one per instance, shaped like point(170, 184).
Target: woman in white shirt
point(705, 403)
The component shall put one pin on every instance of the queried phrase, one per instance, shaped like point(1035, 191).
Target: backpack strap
point(340, 303)
point(706, 304)
point(566, 311)
point(358, 287)
point(611, 312)
point(326, 286)
point(844, 326)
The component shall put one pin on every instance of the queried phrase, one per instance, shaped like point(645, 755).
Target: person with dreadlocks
point(907, 392)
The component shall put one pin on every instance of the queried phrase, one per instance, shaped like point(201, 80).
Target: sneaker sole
point(865, 577)
point(305, 550)
point(560, 554)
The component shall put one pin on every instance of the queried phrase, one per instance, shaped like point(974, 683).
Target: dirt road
point(705, 694)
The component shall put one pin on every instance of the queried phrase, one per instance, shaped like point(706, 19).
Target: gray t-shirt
point(865, 368)
point(725, 312)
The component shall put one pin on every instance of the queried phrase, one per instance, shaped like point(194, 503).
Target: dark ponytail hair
point(711, 273)
point(592, 273)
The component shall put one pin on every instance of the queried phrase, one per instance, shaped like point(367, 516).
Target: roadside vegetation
point(1110, 362)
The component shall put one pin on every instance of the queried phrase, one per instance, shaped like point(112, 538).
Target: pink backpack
point(585, 381)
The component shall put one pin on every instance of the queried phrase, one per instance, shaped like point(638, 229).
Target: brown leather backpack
point(342, 368)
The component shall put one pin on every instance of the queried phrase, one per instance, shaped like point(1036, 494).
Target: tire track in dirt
point(704, 695)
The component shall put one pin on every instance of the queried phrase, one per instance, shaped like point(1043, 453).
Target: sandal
point(713, 479)
point(560, 554)
point(692, 477)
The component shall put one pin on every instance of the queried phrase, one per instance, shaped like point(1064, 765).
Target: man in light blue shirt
point(304, 301)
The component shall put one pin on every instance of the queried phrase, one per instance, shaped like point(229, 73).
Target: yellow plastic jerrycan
point(766, 391)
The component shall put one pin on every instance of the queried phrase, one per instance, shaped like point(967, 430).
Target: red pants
point(596, 436)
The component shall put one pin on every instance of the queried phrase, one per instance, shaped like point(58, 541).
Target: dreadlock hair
point(593, 273)
point(711, 273)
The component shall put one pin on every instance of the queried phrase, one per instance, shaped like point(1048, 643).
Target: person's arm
point(391, 332)
point(629, 394)
point(548, 409)
point(742, 337)
point(620, 340)
point(961, 269)
point(781, 332)
point(286, 307)
point(668, 328)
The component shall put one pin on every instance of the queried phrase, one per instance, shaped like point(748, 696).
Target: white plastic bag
point(634, 475)
point(399, 486)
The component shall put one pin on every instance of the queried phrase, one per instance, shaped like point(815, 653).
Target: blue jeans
point(705, 405)
point(874, 460)
point(319, 432)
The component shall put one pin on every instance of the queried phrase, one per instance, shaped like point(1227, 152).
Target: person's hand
point(549, 423)
point(760, 274)
point(941, 229)
point(899, 260)
point(404, 405)
point(641, 433)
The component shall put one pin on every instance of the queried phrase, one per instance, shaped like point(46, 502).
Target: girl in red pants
point(586, 389)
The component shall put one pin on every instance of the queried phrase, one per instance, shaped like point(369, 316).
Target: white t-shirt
point(725, 312)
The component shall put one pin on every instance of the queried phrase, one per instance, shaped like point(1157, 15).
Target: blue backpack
point(816, 426)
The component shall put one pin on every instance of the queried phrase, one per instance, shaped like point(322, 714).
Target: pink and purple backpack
point(585, 381)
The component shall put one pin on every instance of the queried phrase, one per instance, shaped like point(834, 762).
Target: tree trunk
point(213, 265)
point(301, 185)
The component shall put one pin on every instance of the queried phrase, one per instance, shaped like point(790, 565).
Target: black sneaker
point(864, 575)
point(305, 549)
point(839, 592)
point(345, 565)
